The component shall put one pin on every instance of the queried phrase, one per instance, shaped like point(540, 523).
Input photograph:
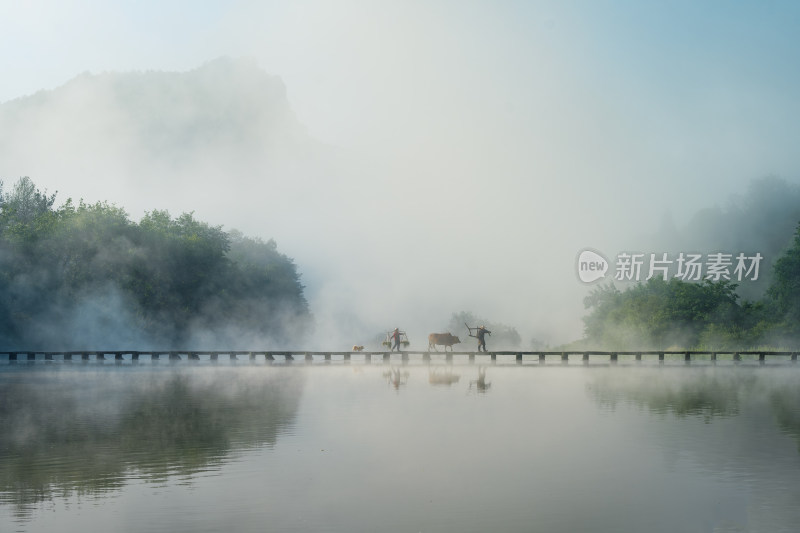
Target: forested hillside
point(85, 276)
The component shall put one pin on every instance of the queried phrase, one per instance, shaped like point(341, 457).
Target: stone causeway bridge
point(287, 356)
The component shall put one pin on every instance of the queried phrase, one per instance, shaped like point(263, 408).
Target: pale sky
point(557, 125)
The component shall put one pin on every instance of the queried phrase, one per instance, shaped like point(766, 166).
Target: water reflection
point(705, 393)
point(335, 448)
point(740, 426)
point(695, 392)
point(83, 432)
point(480, 384)
point(396, 377)
point(785, 401)
point(442, 376)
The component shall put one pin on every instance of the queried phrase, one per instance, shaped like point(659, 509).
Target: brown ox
point(444, 339)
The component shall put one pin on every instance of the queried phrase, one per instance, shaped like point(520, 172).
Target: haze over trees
point(761, 219)
point(502, 337)
point(85, 276)
point(80, 274)
point(220, 140)
point(673, 313)
point(708, 315)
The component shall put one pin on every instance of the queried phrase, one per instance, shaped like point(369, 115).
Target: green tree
point(784, 290)
point(170, 277)
point(25, 202)
point(659, 314)
point(26, 213)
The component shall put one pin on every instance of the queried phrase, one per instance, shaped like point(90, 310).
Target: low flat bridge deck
point(367, 356)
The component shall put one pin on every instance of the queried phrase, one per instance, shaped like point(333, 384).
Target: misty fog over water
point(384, 448)
point(310, 175)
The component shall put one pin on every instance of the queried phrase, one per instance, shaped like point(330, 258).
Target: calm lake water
point(416, 448)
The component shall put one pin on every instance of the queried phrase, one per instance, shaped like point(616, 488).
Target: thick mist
point(415, 159)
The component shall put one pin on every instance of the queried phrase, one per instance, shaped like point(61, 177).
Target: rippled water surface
point(399, 448)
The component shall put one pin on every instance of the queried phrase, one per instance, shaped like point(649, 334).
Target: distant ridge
point(221, 136)
point(225, 101)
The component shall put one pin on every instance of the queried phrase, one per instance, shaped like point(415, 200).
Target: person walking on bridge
point(481, 336)
point(395, 337)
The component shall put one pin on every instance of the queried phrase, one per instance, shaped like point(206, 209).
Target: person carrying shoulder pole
point(394, 336)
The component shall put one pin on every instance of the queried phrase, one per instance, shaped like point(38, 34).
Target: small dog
point(357, 348)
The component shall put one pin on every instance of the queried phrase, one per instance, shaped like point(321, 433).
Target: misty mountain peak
point(225, 105)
